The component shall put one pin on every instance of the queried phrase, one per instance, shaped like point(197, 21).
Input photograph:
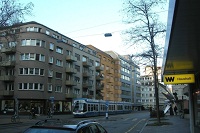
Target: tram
point(84, 107)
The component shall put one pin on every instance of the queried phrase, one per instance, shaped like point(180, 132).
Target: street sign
point(52, 99)
point(179, 79)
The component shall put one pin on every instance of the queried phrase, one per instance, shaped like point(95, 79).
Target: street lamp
point(108, 34)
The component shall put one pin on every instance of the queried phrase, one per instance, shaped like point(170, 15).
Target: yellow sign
point(179, 79)
point(179, 65)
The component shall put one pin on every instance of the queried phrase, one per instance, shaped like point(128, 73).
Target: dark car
point(56, 126)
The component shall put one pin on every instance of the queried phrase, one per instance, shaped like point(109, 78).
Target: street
point(123, 123)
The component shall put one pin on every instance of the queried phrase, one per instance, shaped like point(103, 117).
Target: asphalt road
point(123, 123)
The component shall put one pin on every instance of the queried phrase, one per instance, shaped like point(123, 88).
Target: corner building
point(42, 68)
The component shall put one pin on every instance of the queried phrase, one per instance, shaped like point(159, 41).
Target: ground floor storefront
point(41, 106)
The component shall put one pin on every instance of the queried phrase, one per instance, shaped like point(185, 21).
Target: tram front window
point(80, 107)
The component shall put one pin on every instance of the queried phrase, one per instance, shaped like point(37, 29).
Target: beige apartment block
point(111, 76)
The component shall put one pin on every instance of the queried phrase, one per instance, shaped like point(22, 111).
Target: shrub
point(153, 113)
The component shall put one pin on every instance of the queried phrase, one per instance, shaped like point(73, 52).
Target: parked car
point(56, 126)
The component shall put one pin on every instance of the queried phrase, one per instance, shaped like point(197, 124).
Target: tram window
point(84, 107)
point(97, 109)
point(89, 107)
point(92, 107)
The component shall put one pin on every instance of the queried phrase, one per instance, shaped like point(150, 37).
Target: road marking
point(134, 119)
point(126, 119)
point(134, 126)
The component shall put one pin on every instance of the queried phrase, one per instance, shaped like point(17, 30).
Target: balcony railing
point(110, 80)
point(70, 95)
point(86, 84)
point(99, 77)
point(70, 58)
point(86, 74)
point(7, 78)
point(71, 82)
point(99, 68)
point(6, 93)
point(7, 63)
point(8, 50)
point(100, 86)
point(70, 70)
point(87, 64)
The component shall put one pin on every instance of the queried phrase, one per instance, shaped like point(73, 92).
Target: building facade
point(111, 73)
point(126, 75)
point(41, 68)
point(148, 89)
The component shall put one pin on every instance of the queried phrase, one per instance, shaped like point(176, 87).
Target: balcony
point(118, 67)
point(99, 77)
point(70, 58)
point(7, 63)
point(8, 50)
point(99, 68)
point(100, 86)
point(117, 83)
point(87, 84)
point(88, 96)
point(70, 95)
point(117, 91)
point(71, 83)
point(6, 93)
point(110, 80)
point(86, 74)
point(109, 71)
point(87, 64)
point(117, 75)
point(70, 70)
point(7, 78)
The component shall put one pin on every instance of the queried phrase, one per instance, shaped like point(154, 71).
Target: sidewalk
point(177, 125)
point(6, 119)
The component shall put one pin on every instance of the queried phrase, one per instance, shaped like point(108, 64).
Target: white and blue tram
point(84, 107)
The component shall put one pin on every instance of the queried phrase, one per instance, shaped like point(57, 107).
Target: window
point(59, 62)
point(51, 46)
point(51, 60)
point(47, 32)
point(77, 56)
point(36, 71)
point(50, 74)
point(84, 58)
point(97, 63)
point(33, 42)
point(31, 71)
point(69, 52)
point(33, 29)
point(76, 91)
point(77, 68)
point(50, 86)
point(55, 36)
point(30, 86)
point(58, 75)
point(59, 50)
point(58, 88)
point(32, 56)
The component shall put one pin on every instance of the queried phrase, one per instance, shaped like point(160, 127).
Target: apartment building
point(136, 85)
point(41, 68)
point(148, 90)
point(125, 69)
point(111, 73)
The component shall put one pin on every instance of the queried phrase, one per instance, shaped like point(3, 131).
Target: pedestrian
point(175, 110)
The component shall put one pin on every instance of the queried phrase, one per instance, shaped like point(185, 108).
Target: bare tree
point(142, 35)
point(12, 12)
